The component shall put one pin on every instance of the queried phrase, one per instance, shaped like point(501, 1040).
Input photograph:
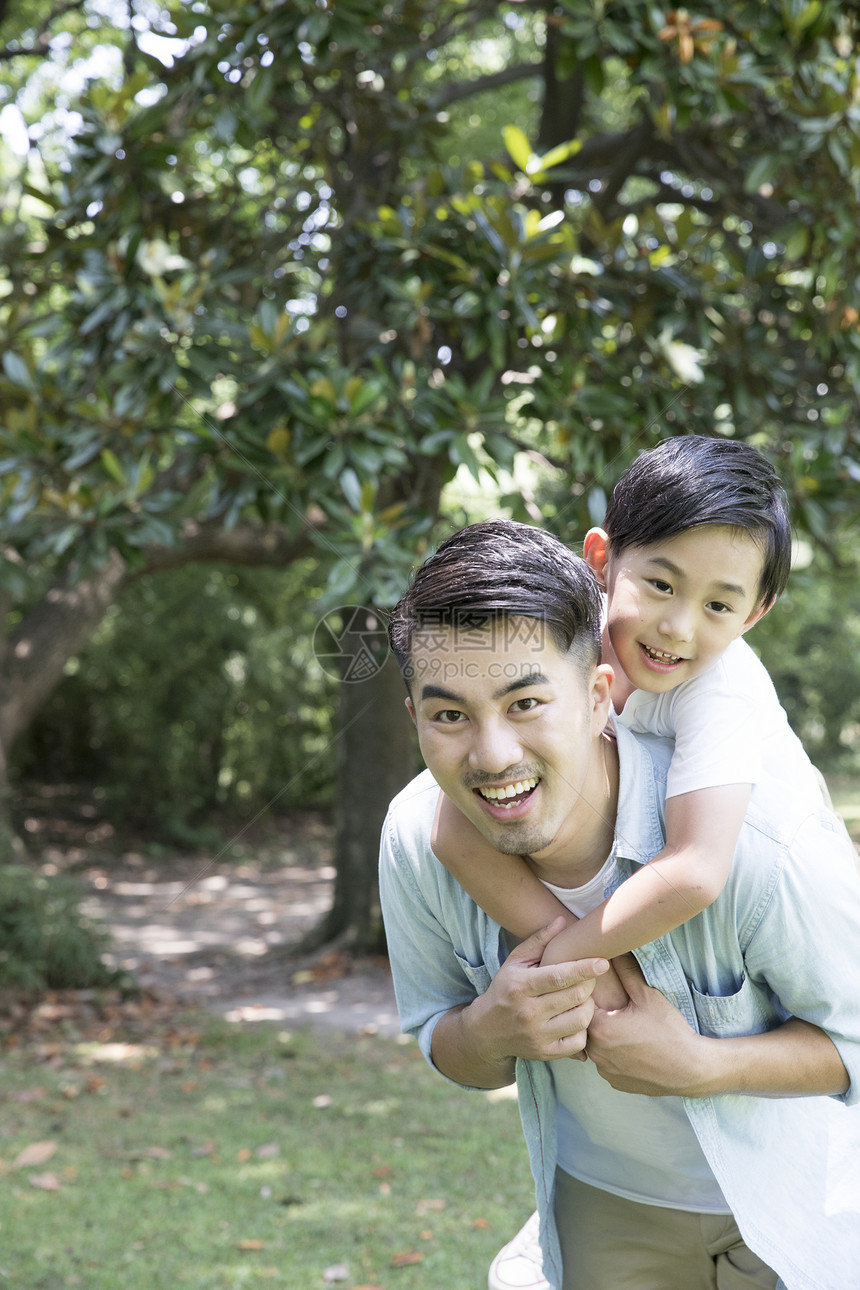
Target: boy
point(697, 548)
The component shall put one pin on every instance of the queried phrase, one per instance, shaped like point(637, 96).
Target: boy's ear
point(410, 708)
point(762, 608)
point(595, 552)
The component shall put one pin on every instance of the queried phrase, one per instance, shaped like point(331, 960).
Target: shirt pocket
point(745, 1012)
point(478, 974)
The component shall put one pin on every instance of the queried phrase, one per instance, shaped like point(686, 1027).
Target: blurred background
point(291, 290)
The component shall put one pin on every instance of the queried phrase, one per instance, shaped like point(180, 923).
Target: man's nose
point(495, 746)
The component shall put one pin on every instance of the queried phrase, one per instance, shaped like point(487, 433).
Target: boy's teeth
point(660, 656)
point(508, 790)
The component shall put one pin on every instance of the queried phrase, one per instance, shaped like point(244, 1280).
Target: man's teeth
point(499, 795)
point(660, 656)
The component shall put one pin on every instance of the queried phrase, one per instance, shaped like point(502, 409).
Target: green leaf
point(17, 370)
point(518, 146)
point(111, 464)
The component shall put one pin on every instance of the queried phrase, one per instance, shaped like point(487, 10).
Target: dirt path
point(218, 932)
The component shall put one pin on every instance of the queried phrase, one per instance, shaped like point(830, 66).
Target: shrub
point(46, 943)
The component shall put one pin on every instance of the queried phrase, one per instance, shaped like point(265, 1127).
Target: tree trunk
point(376, 756)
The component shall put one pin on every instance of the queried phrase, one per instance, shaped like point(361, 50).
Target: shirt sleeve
point(804, 945)
point(430, 976)
point(719, 735)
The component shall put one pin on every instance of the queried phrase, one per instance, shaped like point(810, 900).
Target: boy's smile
point(675, 605)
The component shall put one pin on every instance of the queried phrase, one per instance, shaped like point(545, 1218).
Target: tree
point(284, 281)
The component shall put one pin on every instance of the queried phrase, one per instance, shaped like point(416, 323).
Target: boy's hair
point(693, 480)
point(495, 570)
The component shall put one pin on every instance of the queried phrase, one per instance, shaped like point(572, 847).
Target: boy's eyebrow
point(439, 691)
point(733, 588)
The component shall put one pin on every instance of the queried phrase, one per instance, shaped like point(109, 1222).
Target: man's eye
point(448, 716)
point(525, 705)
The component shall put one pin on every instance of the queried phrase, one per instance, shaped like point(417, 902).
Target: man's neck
point(592, 832)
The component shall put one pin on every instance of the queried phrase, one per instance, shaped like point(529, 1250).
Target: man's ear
point(762, 608)
point(595, 552)
point(410, 708)
point(601, 689)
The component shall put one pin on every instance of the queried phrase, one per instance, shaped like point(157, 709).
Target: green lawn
point(243, 1157)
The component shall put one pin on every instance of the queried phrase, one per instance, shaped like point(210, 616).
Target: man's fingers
point(629, 972)
point(531, 950)
point(563, 976)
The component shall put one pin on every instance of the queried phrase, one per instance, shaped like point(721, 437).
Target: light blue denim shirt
point(782, 939)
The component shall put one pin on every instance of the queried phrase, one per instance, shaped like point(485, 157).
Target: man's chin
point(515, 841)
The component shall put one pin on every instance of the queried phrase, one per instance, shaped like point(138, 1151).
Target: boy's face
point(675, 605)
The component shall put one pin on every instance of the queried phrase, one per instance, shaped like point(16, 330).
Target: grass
point(240, 1157)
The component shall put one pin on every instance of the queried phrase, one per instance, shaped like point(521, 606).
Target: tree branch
point(64, 621)
point(42, 39)
point(492, 81)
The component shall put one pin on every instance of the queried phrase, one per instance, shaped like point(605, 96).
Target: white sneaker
point(519, 1264)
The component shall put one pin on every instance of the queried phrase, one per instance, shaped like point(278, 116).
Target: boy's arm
point(689, 873)
point(503, 886)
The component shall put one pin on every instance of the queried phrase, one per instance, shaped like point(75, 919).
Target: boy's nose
point(495, 747)
point(677, 624)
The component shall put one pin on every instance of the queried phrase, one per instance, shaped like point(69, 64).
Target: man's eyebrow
point(731, 588)
point(521, 682)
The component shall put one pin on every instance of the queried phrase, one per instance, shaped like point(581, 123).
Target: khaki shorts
point(609, 1243)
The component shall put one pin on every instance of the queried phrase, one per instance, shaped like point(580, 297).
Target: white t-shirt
point(642, 1148)
point(725, 722)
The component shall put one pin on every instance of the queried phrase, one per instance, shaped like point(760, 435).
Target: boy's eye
point(719, 607)
point(660, 584)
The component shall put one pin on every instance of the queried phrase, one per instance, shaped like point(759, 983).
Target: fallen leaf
point(244, 1154)
point(28, 1095)
point(268, 1150)
point(336, 1272)
point(48, 1182)
point(322, 1101)
point(424, 1205)
point(36, 1154)
point(251, 1245)
point(405, 1258)
point(480, 1222)
point(426, 1235)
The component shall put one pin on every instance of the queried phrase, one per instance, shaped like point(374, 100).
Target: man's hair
point(495, 570)
point(693, 480)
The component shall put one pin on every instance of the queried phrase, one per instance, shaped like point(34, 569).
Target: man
point(740, 1166)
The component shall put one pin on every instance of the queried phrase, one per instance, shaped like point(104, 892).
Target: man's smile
point(511, 794)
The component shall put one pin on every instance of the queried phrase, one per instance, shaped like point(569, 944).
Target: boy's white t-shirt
point(725, 722)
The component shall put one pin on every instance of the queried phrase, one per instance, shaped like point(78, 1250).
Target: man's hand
point(539, 1013)
point(646, 1047)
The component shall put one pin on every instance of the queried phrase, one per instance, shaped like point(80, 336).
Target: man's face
point(509, 727)
point(674, 606)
